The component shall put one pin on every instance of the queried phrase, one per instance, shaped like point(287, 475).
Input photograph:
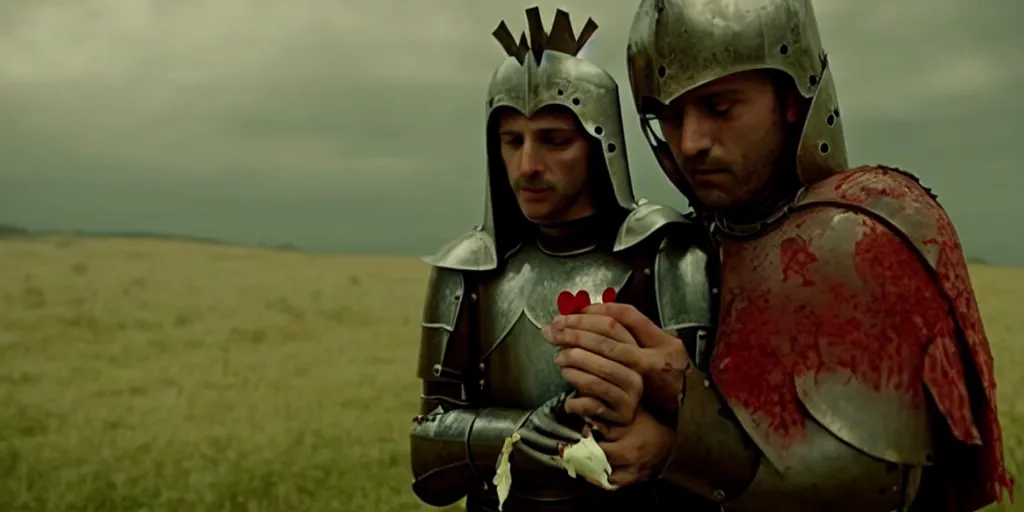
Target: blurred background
point(331, 124)
point(208, 300)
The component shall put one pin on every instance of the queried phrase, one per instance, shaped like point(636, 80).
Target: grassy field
point(171, 377)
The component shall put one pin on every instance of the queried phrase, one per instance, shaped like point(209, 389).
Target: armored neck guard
point(761, 212)
point(579, 235)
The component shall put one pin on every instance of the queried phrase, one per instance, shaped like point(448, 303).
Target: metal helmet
point(678, 45)
point(542, 71)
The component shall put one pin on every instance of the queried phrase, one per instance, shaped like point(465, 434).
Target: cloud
point(286, 101)
point(900, 59)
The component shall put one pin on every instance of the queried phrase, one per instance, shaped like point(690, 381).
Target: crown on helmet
point(560, 39)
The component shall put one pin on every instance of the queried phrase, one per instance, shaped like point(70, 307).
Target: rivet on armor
point(472, 296)
point(457, 296)
point(831, 120)
point(598, 130)
point(437, 370)
point(482, 382)
point(812, 80)
point(783, 49)
point(611, 147)
point(719, 495)
point(824, 148)
point(662, 71)
point(561, 92)
point(714, 291)
point(707, 383)
point(647, 271)
point(576, 101)
point(482, 366)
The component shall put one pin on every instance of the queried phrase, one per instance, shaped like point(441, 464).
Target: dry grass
point(164, 376)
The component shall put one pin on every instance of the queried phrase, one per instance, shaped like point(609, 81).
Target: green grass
point(166, 376)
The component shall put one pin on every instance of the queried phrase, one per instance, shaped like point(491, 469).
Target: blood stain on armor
point(878, 313)
point(944, 370)
point(796, 258)
point(859, 187)
point(868, 318)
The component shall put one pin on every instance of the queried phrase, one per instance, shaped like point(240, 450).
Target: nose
point(529, 157)
point(694, 137)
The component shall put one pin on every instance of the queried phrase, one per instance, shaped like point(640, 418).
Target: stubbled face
point(727, 137)
point(547, 159)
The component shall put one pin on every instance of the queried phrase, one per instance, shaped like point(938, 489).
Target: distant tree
point(12, 230)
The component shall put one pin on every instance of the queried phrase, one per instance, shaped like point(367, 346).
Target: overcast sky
point(356, 125)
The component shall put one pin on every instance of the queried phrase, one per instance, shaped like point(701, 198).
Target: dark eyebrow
point(555, 131)
point(551, 131)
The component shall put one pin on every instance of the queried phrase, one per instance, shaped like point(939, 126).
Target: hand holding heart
point(613, 355)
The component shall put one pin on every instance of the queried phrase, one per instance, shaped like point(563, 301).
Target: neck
point(578, 235)
point(757, 210)
point(764, 206)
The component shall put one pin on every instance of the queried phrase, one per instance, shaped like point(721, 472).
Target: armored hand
point(547, 430)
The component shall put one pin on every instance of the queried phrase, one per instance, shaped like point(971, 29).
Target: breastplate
point(517, 363)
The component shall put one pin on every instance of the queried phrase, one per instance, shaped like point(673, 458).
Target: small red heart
point(608, 296)
point(569, 304)
point(566, 303)
point(582, 300)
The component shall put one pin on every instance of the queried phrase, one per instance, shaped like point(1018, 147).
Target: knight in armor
point(560, 220)
point(850, 369)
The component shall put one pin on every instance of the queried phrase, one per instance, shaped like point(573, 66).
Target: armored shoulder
point(893, 197)
point(897, 209)
point(441, 308)
point(681, 265)
point(836, 302)
point(446, 286)
point(685, 275)
point(474, 251)
point(644, 222)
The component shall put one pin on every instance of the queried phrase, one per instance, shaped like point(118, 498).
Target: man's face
point(727, 137)
point(547, 159)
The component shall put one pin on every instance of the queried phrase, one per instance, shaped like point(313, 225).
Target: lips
point(707, 176)
point(533, 195)
point(705, 172)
